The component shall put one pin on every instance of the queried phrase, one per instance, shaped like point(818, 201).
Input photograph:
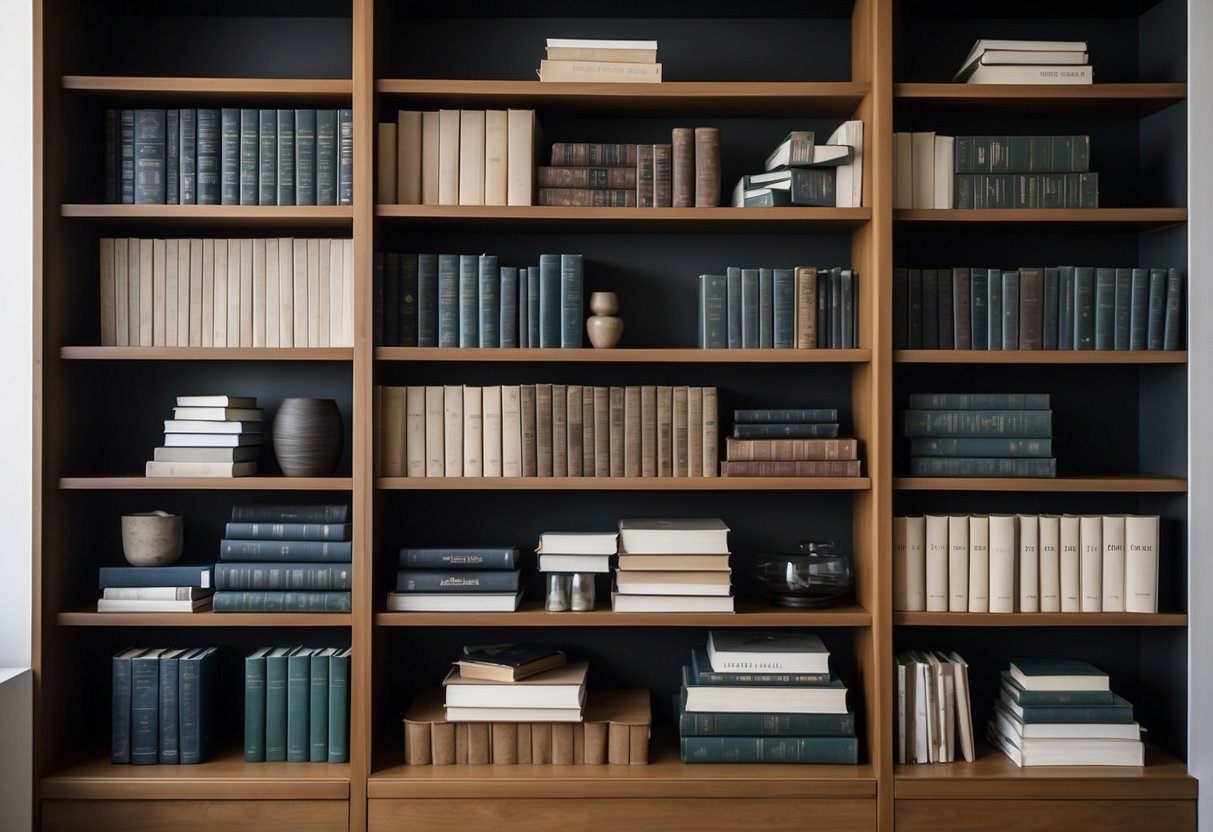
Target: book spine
point(947, 327)
point(254, 707)
point(113, 156)
point(734, 315)
point(937, 562)
point(587, 197)
point(448, 299)
point(978, 401)
point(979, 298)
point(683, 167)
point(1155, 311)
point(248, 171)
point(789, 449)
point(234, 600)
point(1029, 564)
point(981, 467)
point(172, 157)
point(596, 178)
point(126, 157)
point(285, 576)
point(345, 157)
point(958, 563)
point(994, 329)
point(1030, 318)
point(975, 423)
point(1173, 319)
point(267, 159)
point(291, 513)
point(229, 156)
point(1066, 316)
point(326, 157)
point(766, 308)
point(120, 709)
point(572, 304)
point(298, 710)
point(1122, 293)
point(644, 176)
point(1113, 576)
point(1050, 308)
point(275, 708)
point(916, 312)
point(770, 750)
point(1070, 558)
point(508, 324)
point(187, 151)
point(1105, 308)
point(791, 468)
point(593, 154)
point(987, 446)
point(1084, 308)
point(751, 312)
point(489, 301)
point(707, 167)
point(288, 531)
point(407, 316)
point(1139, 295)
point(550, 305)
point(532, 306)
point(783, 333)
point(305, 157)
point(1090, 547)
point(424, 324)
point(286, 157)
point(979, 563)
point(285, 550)
point(169, 741)
point(198, 680)
point(1107, 714)
point(150, 141)
point(145, 706)
point(663, 184)
point(318, 708)
point(930, 309)
point(460, 580)
point(776, 431)
point(765, 725)
point(469, 301)
point(713, 312)
point(339, 707)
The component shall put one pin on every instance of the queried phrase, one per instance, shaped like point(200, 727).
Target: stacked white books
point(576, 551)
point(673, 566)
point(934, 714)
point(556, 695)
point(802, 171)
point(209, 436)
point(1062, 712)
point(174, 588)
point(992, 61)
point(601, 61)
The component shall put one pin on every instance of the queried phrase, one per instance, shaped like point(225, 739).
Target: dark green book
point(1066, 314)
point(291, 513)
point(458, 580)
point(1139, 308)
point(1173, 320)
point(254, 705)
point(836, 307)
point(229, 156)
point(1084, 308)
point(198, 679)
point(172, 157)
point(979, 401)
point(962, 321)
point(975, 466)
point(524, 307)
point(1014, 692)
point(489, 301)
point(770, 750)
point(289, 531)
point(810, 186)
point(169, 751)
point(460, 557)
point(943, 292)
point(241, 600)
point(267, 157)
point(310, 576)
point(979, 300)
point(250, 172)
point(733, 313)
point(1120, 712)
point(549, 301)
point(766, 308)
point(762, 725)
point(1030, 423)
point(1010, 310)
point(1123, 298)
point(275, 703)
point(824, 334)
point(318, 706)
point(930, 309)
point(783, 292)
point(427, 300)
point(572, 302)
point(751, 313)
point(406, 317)
point(469, 301)
point(1105, 308)
point(120, 701)
point(326, 157)
point(787, 430)
point(305, 157)
point(145, 707)
point(1156, 311)
point(987, 446)
point(713, 331)
point(187, 122)
point(339, 706)
point(1050, 307)
point(345, 157)
point(994, 307)
point(150, 140)
point(298, 705)
point(703, 674)
point(285, 550)
point(850, 308)
point(508, 324)
point(286, 157)
point(113, 157)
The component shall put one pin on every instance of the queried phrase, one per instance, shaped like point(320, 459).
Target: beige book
point(452, 417)
point(805, 287)
point(524, 743)
point(504, 739)
point(575, 430)
point(1141, 564)
point(527, 404)
point(637, 55)
point(665, 563)
point(259, 269)
point(694, 432)
point(314, 297)
point(336, 251)
point(1113, 563)
point(916, 564)
point(942, 167)
point(633, 417)
point(979, 563)
point(588, 431)
point(520, 157)
point(106, 250)
point(171, 291)
point(471, 157)
point(1070, 564)
point(496, 150)
point(122, 278)
point(195, 302)
point(600, 72)
point(347, 289)
point(246, 292)
point(958, 563)
point(937, 563)
point(301, 300)
point(681, 463)
point(543, 430)
point(184, 296)
point(491, 451)
point(324, 296)
point(602, 431)
point(665, 431)
point(392, 451)
point(1003, 549)
point(435, 441)
point(562, 743)
point(648, 430)
point(273, 304)
point(473, 432)
point(511, 430)
point(617, 418)
point(408, 157)
point(560, 430)
point(429, 157)
point(479, 749)
point(1050, 563)
point(146, 293)
point(1090, 547)
point(286, 292)
point(385, 163)
point(132, 291)
point(448, 157)
point(159, 288)
point(208, 292)
point(903, 171)
point(541, 743)
point(414, 432)
point(711, 433)
point(922, 163)
point(237, 306)
point(223, 303)
point(901, 586)
point(1029, 563)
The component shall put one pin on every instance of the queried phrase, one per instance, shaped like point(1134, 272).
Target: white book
point(199, 469)
point(635, 563)
point(496, 154)
point(998, 51)
point(301, 300)
point(171, 292)
point(211, 440)
point(155, 593)
point(435, 441)
point(1029, 563)
point(903, 171)
point(408, 157)
point(671, 603)
point(579, 543)
point(429, 157)
point(901, 586)
point(511, 430)
point(520, 157)
point(159, 290)
point(471, 157)
point(273, 306)
point(448, 157)
point(473, 432)
point(1002, 562)
point(207, 278)
point(491, 408)
point(1050, 563)
point(347, 288)
point(945, 152)
point(697, 535)
point(600, 564)
point(1066, 752)
point(453, 601)
point(899, 671)
point(916, 564)
point(414, 431)
point(146, 292)
point(559, 687)
point(1141, 564)
point(286, 292)
point(217, 400)
point(979, 563)
point(324, 295)
point(673, 583)
point(219, 311)
point(599, 43)
point(183, 290)
point(937, 563)
point(259, 286)
point(1069, 564)
point(788, 699)
point(219, 454)
point(948, 746)
point(924, 710)
point(452, 414)
point(113, 605)
point(492, 714)
point(1030, 74)
point(922, 163)
point(848, 179)
point(337, 292)
point(782, 651)
point(964, 707)
point(958, 563)
point(1113, 563)
point(1090, 545)
point(315, 298)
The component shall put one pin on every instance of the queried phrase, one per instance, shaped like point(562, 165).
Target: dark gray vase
point(308, 436)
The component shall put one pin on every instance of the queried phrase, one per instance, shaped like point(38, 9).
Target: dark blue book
point(1084, 308)
point(848, 289)
point(285, 575)
point(120, 702)
point(427, 300)
point(703, 674)
point(469, 300)
point(126, 157)
point(200, 575)
point(145, 708)
point(733, 313)
point(962, 315)
point(785, 431)
point(305, 157)
point(988, 446)
point(1173, 321)
point(930, 309)
point(458, 580)
point(979, 303)
point(533, 314)
point(1050, 306)
point(391, 299)
point(1029, 423)
point(973, 466)
point(994, 301)
point(751, 313)
point(508, 321)
point(914, 321)
point(187, 141)
point(113, 156)
point(943, 289)
point(198, 681)
point(250, 172)
point(326, 157)
point(801, 415)
point(1139, 308)
point(254, 705)
point(1156, 313)
point(448, 300)
point(1010, 310)
point(407, 315)
point(291, 513)
point(298, 706)
point(766, 308)
point(1122, 300)
point(1031, 312)
point(572, 300)
point(275, 703)
point(246, 600)
point(286, 157)
point(267, 157)
point(489, 301)
point(524, 307)
point(318, 706)
point(345, 157)
point(150, 139)
point(172, 157)
point(229, 156)
point(549, 300)
point(170, 737)
point(460, 557)
point(1120, 712)
point(288, 531)
point(783, 333)
point(979, 401)
point(1105, 308)
point(901, 309)
point(1067, 316)
point(286, 550)
point(207, 156)
point(770, 750)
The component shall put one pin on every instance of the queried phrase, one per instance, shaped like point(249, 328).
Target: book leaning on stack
point(673, 566)
point(163, 705)
point(209, 436)
point(934, 713)
point(789, 442)
point(753, 697)
point(994, 61)
point(601, 61)
point(801, 171)
point(297, 705)
point(457, 579)
point(175, 588)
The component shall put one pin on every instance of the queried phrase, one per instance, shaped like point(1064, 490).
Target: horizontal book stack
point(173, 588)
point(801, 171)
point(1050, 308)
point(546, 430)
point(934, 713)
point(163, 705)
point(673, 566)
point(279, 292)
point(600, 61)
point(980, 435)
point(229, 156)
point(764, 698)
point(297, 705)
point(802, 307)
point(1026, 62)
point(615, 730)
point(209, 436)
point(285, 558)
point(456, 157)
point(457, 579)
point(554, 695)
point(470, 300)
point(1026, 563)
point(1063, 712)
point(789, 442)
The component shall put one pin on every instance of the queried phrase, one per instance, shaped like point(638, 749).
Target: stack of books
point(1062, 712)
point(163, 705)
point(209, 436)
point(799, 307)
point(285, 558)
point(155, 588)
point(934, 713)
point(783, 442)
point(801, 171)
point(601, 61)
point(764, 698)
point(457, 579)
point(993, 61)
point(673, 566)
point(980, 435)
point(553, 695)
point(297, 705)
point(576, 551)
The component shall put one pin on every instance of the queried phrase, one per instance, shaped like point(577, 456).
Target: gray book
point(305, 157)
point(326, 157)
point(229, 156)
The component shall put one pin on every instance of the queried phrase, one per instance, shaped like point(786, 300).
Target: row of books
point(470, 300)
point(297, 705)
point(598, 61)
point(546, 430)
point(163, 705)
point(1002, 563)
point(457, 157)
point(278, 292)
point(684, 173)
point(779, 308)
point(934, 713)
point(1051, 308)
point(791, 445)
point(229, 156)
point(937, 171)
point(197, 439)
point(995, 61)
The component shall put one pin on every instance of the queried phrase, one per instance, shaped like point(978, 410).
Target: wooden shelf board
point(750, 613)
point(1040, 356)
point(642, 355)
point(624, 483)
point(207, 353)
point(208, 618)
point(259, 216)
point(206, 483)
point(155, 88)
point(1107, 100)
point(993, 775)
point(667, 98)
point(1041, 619)
point(1061, 220)
point(226, 776)
point(1135, 483)
point(641, 220)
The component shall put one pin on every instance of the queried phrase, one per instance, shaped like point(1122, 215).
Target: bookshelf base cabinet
point(195, 815)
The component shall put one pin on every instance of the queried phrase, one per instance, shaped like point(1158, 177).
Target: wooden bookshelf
point(1040, 619)
point(205, 483)
point(206, 216)
point(1124, 100)
point(206, 618)
point(1071, 219)
point(626, 355)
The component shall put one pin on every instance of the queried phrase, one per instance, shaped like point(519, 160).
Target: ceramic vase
point(603, 327)
point(308, 436)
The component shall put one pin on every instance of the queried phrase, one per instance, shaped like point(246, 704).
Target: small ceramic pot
point(308, 436)
point(603, 327)
point(152, 538)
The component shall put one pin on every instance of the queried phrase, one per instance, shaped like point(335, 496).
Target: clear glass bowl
point(816, 576)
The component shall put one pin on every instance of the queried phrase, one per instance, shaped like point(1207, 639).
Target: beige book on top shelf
point(599, 72)
point(593, 49)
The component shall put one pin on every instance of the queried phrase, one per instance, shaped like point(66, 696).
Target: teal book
point(298, 707)
point(120, 701)
point(1033, 423)
point(406, 319)
point(285, 550)
point(427, 300)
point(208, 156)
point(198, 679)
point(572, 300)
point(1066, 315)
point(533, 308)
point(339, 706)
point(289, 531)
point(901, 309)
point(250, 171)
point(549, 300)
point(267, 157)
point(458, 580)
point(762, 725)
point(145, 708)
point(976, 466)
point(1122, 316)
point(994, 308)
point(310, 576)
point(703, 674)
point(712, 332)
point(987, 446)
point(1139, 308)
point(291, 513)
point(305, 157)
point(979, 401)
point(785, 430)
point(508, 323)
point(286, 157)
point(1010, 310)
point(170, 737)
point(150, 150)
point(914, 311)
point(734, 314)
point(326, 157)
point(229, 156)
point(843, 750)
point(1014, 692)
point(240, 600)
point(1034, 673)
point(1120, 712)
point(1173, 319)
point(254, 705)
point(1084, 308)
point(489, 301)
point(524, 307)
point(172, 157)
point(1105, 308)
point(460, 557)
point(469, 301)
point(930, 309)
point(1156, 310)
point(766, 308)
point(275, 703)
point(345, 157)
point(187, 175)
point(979, 308)
point(318, 706)
point(1050, 308)
point(751, 312)
point(785, 415)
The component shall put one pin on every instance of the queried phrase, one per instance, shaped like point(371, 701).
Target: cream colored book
point(511, 430)
point(286, 292)
point(159, 289)
point(922, 163)
point(916, 564)
point(694, 431)
point(937, 563)
point(171, 291)
point(679, 582)
point(958, 563)
point(185, 296)
point(429, 157)
point(273, 304)
point(347, 288)
point(600, 72)
point(1029, 563)
point(1050, 562)
point(711, 433)
point(414, 432)
point(979, 563)
point(1070, 564)
point(520, 157)
point(106, 251)
point(901, 586)
point(122, 282)
point(227, 295)
point(648, 430)
point(491, 405)
point(1002, 562)
point(385, 163)
point(324, 296)
point(199, 469)
point(315, 299)
point(496, 154)
point(632, 418)
point(634, 55)
point(574, 431)
point(1141, 564)
point(237, 307)
point(146, 293)
point(132, 289)
point(245, 282)
point(208, 292)
point(678, 445)
point(1090, 576)
point(471, 157)
point(336, 258)
point(473, 432)
point(452, 415)
point(392, 452)
point(435, 440)
point(301, 302)
point(1113, 563)
point(259, 285)
point(964, 706)
point(945, 152)
point(560, 430)
point(602, 431)
point(408, 157)
point(448, 157)
point(903, 171)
